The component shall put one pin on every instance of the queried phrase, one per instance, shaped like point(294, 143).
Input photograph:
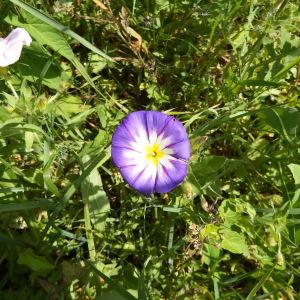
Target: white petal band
point(11, 46)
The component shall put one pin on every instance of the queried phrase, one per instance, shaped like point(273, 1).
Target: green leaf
point(115, 285)
point(209, 165)
point(43, 33)
point(29, 139)
point(98, 161)
point(67, 106)
point(210, 254)
point(47, 35)
point(36, 65)
point(295, 169)
point(259, 284)
point(95, 197)
point(81, 117)
point(35, 262)
point(283, 120)
point(9, 207)
point(233, 211)
point(234, 242)
point(206, 173)
point(257, 82)
point(35, 13)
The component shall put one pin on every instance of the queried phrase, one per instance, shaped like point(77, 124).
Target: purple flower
point(151, 150)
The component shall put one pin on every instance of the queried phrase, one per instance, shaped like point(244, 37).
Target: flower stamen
point(154, 153)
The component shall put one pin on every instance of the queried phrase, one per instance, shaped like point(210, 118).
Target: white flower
point(11, 46)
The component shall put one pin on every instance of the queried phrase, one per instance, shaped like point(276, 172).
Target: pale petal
point(11, 46)
point(171, 172)
point(141, 176)
point(20, 35)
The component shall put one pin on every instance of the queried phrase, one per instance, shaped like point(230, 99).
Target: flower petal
point(141, 177)
point(155, 122)
point(19, 35)
point(11, 46)
point(171, 172)
point(132, 132)
point(172, 134)
point(179, 150)
point(123, 157)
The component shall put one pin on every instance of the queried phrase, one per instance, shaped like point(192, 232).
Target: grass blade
point(10, 207)
point(259, 284)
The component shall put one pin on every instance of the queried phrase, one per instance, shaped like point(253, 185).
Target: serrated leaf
point(233, 211)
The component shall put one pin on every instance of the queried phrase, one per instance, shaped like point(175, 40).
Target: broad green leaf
point(35, 262)
point(295, 169)
point(115, 285)
point(211, 231)
point(11, 100)
point(67, 106)
point(209, 165)
point(43, 33)
point(290, 50)
point(96, 162)
point(50, 185)
point(29, 139)
point(38, 66)
point(283, 120)
point(233, 210)
point(210, 254)
point(96, 205)
point(236, 212)
point(297, 234)
point(234, 242)
point(95, 197)
point(47, 35)
point(47, 20)
point(205, 174)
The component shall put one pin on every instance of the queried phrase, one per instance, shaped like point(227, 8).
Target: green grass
point(71, 228)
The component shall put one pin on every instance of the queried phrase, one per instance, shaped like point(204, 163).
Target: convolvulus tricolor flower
point(151, 150)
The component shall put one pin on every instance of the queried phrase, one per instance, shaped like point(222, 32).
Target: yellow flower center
point(154, 154)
